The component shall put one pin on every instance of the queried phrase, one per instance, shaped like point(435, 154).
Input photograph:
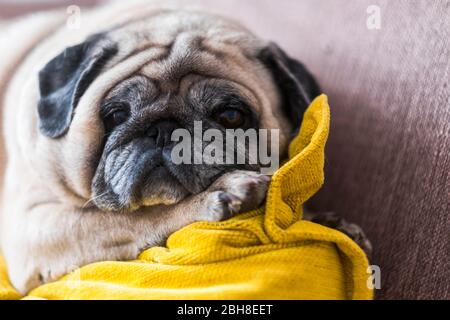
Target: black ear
point(296, 84)
point(64, 80)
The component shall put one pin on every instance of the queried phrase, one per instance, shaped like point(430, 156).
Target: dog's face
point(140, 114)
point(203, 69)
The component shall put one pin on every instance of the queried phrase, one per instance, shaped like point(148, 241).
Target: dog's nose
point(162, 132)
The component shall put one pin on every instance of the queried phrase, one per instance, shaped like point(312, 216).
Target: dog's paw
point(24, 279)
point(357, 234)
point(353, 231)
point(235, 192)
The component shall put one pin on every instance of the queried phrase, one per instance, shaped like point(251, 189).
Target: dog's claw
point(353, 231)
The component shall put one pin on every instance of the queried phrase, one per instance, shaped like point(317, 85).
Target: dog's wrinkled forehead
point(193, 57)
point(185, 44)
point(185, 33)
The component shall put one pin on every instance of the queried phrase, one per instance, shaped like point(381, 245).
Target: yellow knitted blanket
point(269, 253)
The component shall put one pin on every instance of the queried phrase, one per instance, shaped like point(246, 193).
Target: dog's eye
point(115, 118)
point(230, 118)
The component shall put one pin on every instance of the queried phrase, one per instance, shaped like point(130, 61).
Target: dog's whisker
point(90, 200)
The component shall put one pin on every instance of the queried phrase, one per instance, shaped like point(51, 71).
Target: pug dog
point(87, 134)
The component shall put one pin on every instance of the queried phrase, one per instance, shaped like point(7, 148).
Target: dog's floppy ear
point(64, 80)
point(296, 84)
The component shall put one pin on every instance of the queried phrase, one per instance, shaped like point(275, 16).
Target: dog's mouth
point(133, 176)
point(160, 186)
point(157, 187)
point(139, 174)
